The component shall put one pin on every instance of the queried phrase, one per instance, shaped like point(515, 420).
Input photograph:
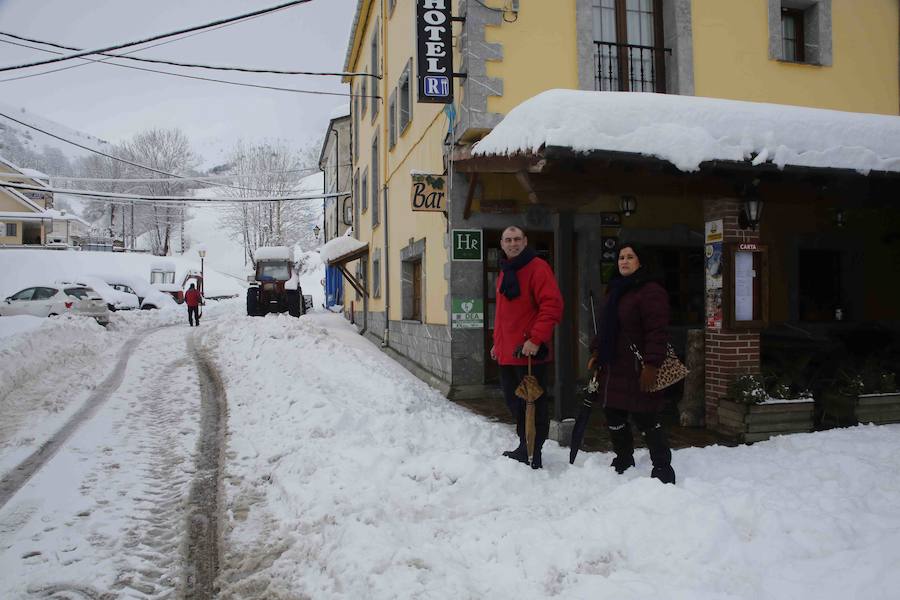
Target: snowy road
point(333, 473)
point(119, 491)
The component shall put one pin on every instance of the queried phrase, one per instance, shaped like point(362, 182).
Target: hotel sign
point(434, 43)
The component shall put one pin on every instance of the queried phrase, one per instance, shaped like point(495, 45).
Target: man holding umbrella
point(529, 305)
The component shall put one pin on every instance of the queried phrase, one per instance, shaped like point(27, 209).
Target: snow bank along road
point(120, 500)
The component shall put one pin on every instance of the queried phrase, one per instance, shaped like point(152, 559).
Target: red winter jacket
point(531, 316)
point(192, 297)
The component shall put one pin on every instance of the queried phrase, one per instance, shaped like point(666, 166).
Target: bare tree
point(166, 150)
point(268, 169)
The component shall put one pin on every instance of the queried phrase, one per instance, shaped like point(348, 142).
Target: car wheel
point(294, 303)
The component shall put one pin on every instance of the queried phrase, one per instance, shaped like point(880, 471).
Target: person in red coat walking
point(636, 313)
point(193, 299)
point(529, 305)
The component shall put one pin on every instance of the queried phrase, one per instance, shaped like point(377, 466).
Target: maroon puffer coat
point(643, 320)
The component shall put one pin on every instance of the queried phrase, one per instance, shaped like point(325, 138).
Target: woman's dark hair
point(647, 258)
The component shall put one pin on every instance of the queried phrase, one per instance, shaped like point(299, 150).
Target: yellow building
point(435, 309)
point(22, 217)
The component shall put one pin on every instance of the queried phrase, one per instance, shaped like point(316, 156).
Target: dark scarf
point(609, 323)
point(510, 285)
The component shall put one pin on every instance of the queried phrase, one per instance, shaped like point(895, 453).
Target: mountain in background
point(25, 147)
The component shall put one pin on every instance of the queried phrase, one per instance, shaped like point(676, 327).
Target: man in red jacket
point(193, 298)
point(529, 305)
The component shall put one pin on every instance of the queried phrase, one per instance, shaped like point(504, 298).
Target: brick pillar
point(728, 354)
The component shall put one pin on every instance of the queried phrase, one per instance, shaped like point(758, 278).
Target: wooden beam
point(473, 183)
point(359, 287)
point(525, 181)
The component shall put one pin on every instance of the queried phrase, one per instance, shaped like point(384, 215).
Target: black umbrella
point(584, 413)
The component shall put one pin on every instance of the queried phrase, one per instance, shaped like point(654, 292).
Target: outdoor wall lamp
point(628, 204)
point(839, 217)
point(316, 231)
point(751, 214)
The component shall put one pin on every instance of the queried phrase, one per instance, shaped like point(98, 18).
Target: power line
point(195, 65)
point(88, 61)
point(155, 37)
point(136, 197)
point(310, 170)
point(128, 162)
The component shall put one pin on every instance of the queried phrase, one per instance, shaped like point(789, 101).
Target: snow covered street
point(343, 476)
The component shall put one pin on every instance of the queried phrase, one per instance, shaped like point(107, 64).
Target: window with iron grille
point(12, 229)
point(356, 203)
point(376, 185)
point(365, 95)
point(628, 51)
point(404, 100)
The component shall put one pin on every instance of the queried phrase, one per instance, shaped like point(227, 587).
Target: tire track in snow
point(13, 481)
point(202, 552)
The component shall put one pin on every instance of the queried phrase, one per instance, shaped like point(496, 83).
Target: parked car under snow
point(149, 297)
point(56, 299)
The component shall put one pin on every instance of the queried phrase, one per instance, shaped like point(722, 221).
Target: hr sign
point(434, 50)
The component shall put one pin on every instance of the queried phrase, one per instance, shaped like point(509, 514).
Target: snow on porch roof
point(687, 130)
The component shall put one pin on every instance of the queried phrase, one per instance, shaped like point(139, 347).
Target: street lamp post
point(202, 253)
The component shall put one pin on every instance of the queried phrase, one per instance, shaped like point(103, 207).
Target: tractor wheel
point(252, 301)
point(294, 303)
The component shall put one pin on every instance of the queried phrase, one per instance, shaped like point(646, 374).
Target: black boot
point(536, 461)
point(520, 454)
point(623, 446)
point(660, 454)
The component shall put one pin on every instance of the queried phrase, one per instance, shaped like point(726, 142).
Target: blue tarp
point(334, 287)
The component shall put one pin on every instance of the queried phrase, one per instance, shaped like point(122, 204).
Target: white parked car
point(148, 296)
point(115, 299)
point(56, 299)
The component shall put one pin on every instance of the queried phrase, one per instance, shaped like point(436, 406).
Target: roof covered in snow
point(273, 253)
point(687, 131)
point(340, 246)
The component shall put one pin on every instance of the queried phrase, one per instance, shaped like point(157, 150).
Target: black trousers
point(510, 377)
point(193, 315)
point(617, 417)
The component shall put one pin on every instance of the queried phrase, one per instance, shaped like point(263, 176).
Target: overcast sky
point(113, 103)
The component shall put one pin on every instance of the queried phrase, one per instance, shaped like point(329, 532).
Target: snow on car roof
point(273, 253)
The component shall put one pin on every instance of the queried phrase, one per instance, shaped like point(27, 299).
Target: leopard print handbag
point(671, 371)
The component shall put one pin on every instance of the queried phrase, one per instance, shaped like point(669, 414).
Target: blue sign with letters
point(434, 43)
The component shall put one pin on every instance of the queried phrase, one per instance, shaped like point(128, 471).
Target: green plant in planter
point(748, 389)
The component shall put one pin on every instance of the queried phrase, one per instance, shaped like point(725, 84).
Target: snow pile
point(687, 130)
point(55, 342)
point(22, 268)
point(352, 479)
point(339, 246)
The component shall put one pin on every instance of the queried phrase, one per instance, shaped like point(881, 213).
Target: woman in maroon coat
point(636, 314)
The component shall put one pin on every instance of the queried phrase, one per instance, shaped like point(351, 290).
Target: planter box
point(878, 408)
point(757, 422)
point(866, 408)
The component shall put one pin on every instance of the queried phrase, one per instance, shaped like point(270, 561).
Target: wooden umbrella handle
point(529, 364)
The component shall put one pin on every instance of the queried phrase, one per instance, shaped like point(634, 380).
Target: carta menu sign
point(435, 51)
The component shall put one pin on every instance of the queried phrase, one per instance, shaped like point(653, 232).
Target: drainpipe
point(384, 174)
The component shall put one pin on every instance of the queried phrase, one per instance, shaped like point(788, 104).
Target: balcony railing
point(630, 68)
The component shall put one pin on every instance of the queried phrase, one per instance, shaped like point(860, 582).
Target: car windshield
point(274, 271)
point(78, 292)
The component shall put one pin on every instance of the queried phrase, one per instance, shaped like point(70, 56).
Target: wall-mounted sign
point(467, 313)
point(466, 244)
point(434, 44)
point(429, 193)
